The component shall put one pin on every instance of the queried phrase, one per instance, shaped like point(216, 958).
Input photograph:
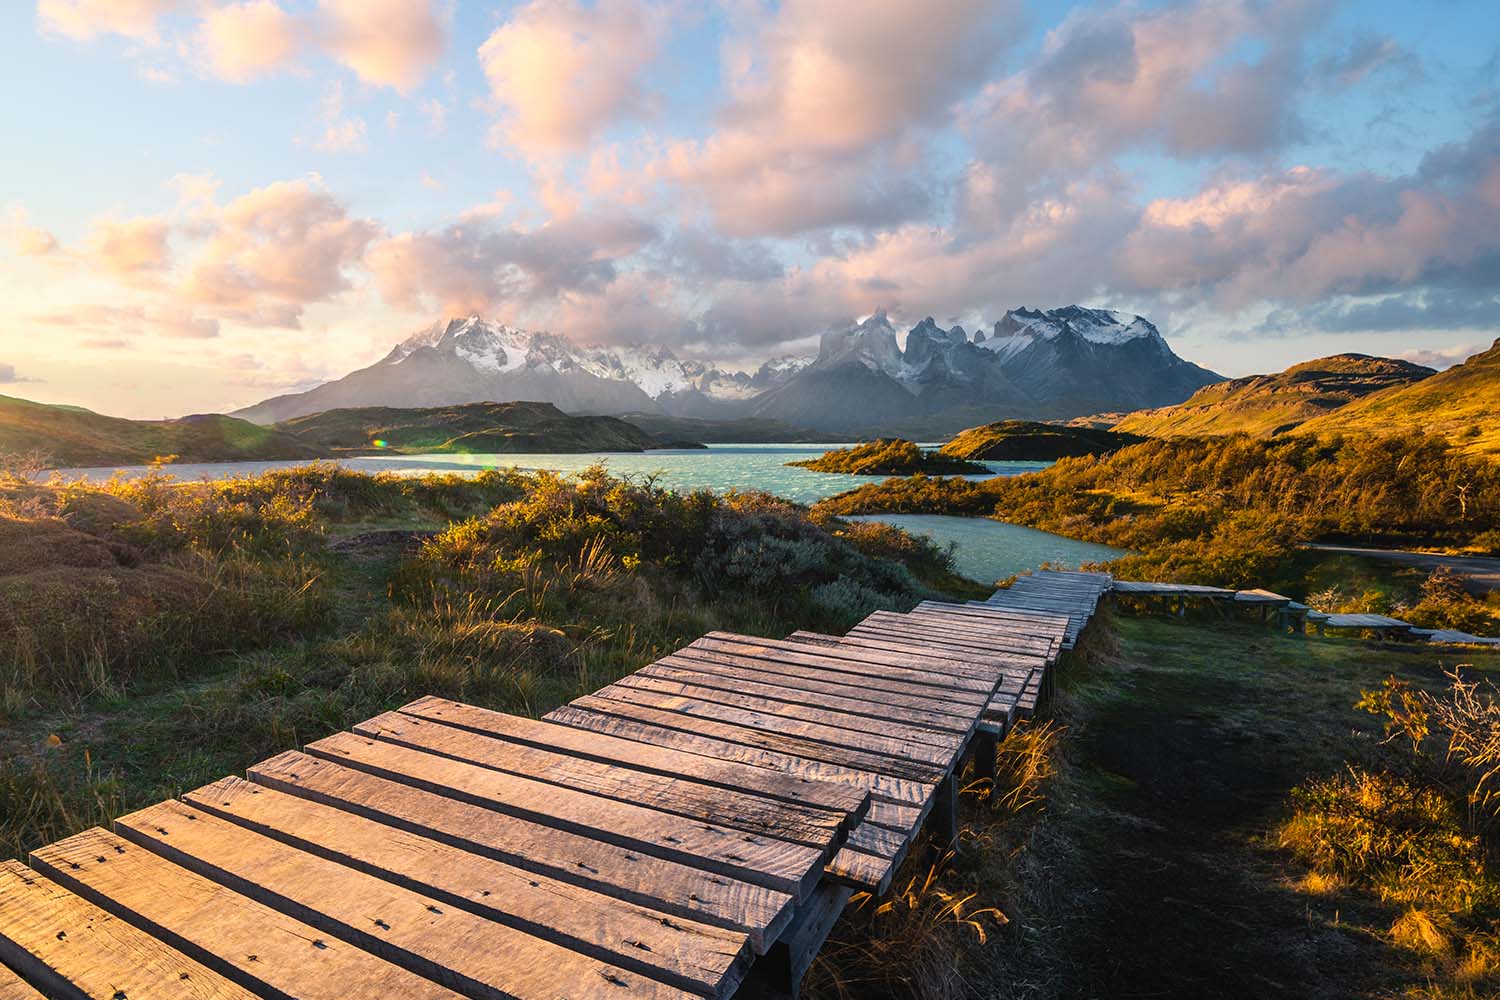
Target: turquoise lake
point(986, 549)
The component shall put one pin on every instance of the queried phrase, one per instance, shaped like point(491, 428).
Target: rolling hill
point(472, 428)
point(1462, 403)
point(1026, 440)
point(1263, 405)
point(73, 436)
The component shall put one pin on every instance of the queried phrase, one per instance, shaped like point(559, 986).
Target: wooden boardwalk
point(698, 822)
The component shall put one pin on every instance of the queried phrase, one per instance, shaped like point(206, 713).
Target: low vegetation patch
point(889, 457)
point(1230, 511)
point(156, 635)
point(1027, 440)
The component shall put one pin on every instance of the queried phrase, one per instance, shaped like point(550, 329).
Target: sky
point(206, 203)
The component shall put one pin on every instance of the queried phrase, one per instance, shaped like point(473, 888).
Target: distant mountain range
point(1054, 364)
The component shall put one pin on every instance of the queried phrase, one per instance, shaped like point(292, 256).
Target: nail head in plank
point(677, 889)
point(773, 863)
point(67, 947)
point(755, 814)
point(685, 953)
point(239, 938)
point(452, 946)
point(703, 736)
point(663, 760)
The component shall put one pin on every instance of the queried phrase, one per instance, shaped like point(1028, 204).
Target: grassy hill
point(470, 428)
point(889, 457)
point(1262, 405)
point(1025, 440)
point(733, 430)
point(73, 436)
point(1462, 404)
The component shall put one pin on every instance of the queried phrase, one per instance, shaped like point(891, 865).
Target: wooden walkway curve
point(691, 828)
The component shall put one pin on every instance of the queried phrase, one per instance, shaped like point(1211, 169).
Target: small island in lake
point(1030, 441)
point(890, 457)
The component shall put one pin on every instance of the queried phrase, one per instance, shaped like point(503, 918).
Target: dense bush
point(1220, 510)
point(889, 457)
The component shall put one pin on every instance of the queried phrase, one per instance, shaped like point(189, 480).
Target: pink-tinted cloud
point(390, 43)
point(125, 324)
point(242, 41)
point(562, 72)
point(475, 266)
point(130, 249)
point(9, 375)
point(88, 19)
point(275, 250)
point(823, 95)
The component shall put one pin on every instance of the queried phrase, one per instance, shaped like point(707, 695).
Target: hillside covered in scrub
point(1230, 510)
point(889, 457)
point(1263, 405)
point(1029, 441)
point(1461, 403)
point(470, 428)
point(73, 436)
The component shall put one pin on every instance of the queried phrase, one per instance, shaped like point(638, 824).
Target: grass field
point(1144, 848)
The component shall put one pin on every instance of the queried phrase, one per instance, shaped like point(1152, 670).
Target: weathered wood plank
point(938, 658)
point(449, 945)
point(749, 746)
point(13, 987)
point(863, 668)
point(68, 947)
point(857, 868)
point(942, 624)
point(775, 864)
point(682, 952)
point(661, 760)
point(716, 705)
point(797, 824)
point(678, 889)
point(852, 715)
point(894, 694)
point(879, 841)
point(921, 632)
point(240, 939)
point(972, 679)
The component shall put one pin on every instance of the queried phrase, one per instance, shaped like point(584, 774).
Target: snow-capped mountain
point(1040, 364)
point(470, 360)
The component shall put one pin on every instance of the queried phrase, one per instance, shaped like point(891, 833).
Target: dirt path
point(1481, 573)
point(1190, 751)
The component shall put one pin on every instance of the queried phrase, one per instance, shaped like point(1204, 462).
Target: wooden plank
point(748, 746)
point(917, 636)
point(13, 987)
point(986, 641)
point(893, 815)
point(895, 708)
point(452, 946)
point(68, 947)
point(798, 824)
point(244, 941)
point(715, 705)
point(857, 868)
point(775, 864)
point(983, 609)
point(678, 889)
point(685, 953)
point(879, 841)
point(939, 657)
point(816, 690)
point(1043, 629)
point(943, 626)
point(791, 652)
point(921, 682)
point(660, 760)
